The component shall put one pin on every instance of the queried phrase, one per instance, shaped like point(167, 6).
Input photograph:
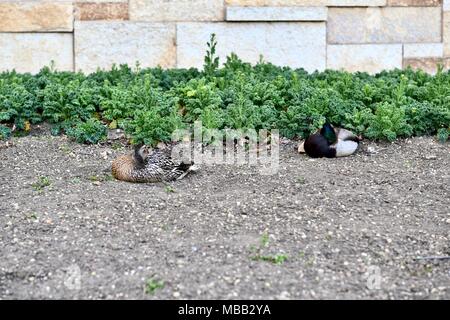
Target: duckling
point(146, 166)
point(330, 142)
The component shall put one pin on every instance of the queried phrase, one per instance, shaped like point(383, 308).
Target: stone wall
point(364, 35)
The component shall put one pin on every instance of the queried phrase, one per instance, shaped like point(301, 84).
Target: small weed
point(428, 268)
point(443, 134)
point(258, 256)
point(76, 180)
point(169, 189)
point(301, 180)
point(152, 285)
point(117, 146)
point(108, 177)
point(94, 178)
point(31, 216)
point(264, 240)
point(65, 149)
point(310, 262)
point(275, 259)
point(42, 183)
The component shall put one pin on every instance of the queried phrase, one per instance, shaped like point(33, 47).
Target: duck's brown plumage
point(123, 167)
point(155, 167)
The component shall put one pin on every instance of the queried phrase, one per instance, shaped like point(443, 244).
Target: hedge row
point(149, 104)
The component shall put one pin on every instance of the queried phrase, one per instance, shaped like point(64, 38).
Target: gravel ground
point(339, 228)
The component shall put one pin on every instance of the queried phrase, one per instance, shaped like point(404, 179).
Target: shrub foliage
point(151, 103)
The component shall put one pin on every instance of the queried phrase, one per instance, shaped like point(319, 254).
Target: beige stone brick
point(370, 58)
point(36, 16)
point(415, 3)
point(101, 11)
point(423, 50)
point(99, 1)
point(103, 43)
point(446, 33)
point(384, 25)
point(296, 44)
point(337, 3)
point(429, 65)
point(276, 14)
point(356, 3)
point(276, 2)
point(176, 10)
point(446, 5)
point(29, 52)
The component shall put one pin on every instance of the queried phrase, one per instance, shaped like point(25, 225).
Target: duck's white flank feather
point(345, 148)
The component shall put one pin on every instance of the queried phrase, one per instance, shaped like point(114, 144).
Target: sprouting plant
point(264, 239)
point(443, 134)
point(152, 285)
point(259, 256)
point(211, 60)
point(31, 216)
point(41, 183)
point(169, 189)
point(275, 259)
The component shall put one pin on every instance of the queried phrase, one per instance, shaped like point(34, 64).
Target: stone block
point(104, 43)
point(371, 58)
point(295, 44)
point(384, 25)
point(423, 50)
point(36, 16)
point(276, 14)
point(29, 52)
point(176, 10)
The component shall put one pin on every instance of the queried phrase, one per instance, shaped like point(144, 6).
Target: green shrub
point(151, 103)
point(17, 105)
point(116, 103)
point(69, 104)
point(91, 131)
point(155, 123)
point(5, 132)
point(425, 118)
point(443, 134)
point(389, 122)
point(196, 96)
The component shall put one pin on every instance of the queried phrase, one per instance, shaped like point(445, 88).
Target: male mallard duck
point(146, 166)
point(330, 142)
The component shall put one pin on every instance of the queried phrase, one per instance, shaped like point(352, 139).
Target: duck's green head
point(328, 132)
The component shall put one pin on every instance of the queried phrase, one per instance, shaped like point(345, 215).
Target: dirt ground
point(349, 228)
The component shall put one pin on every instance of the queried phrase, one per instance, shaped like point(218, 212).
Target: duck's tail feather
point(344, 134)
point(187, 168)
